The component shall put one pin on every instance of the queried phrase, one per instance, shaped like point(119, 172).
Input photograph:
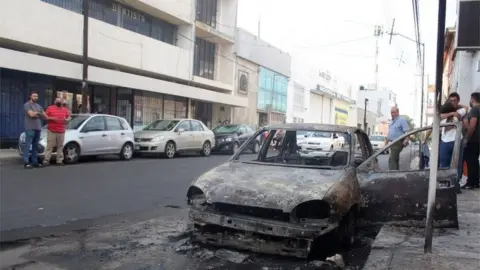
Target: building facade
point(379, 102)
point(147, 59)
point(317, 96)
point(273, 77)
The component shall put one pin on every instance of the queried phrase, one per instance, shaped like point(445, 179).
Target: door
point(400, 196)
point(199, 134)
point(184, 139)
point(93, 136)
point(115, 135)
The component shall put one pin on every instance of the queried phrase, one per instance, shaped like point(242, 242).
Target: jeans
point(445, 154)
point(32, 137)
point(471, 157)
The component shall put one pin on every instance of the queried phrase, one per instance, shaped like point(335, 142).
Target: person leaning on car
point(397, 127)
point(59, 116)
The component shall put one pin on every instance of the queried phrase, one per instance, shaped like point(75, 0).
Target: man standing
point(56, 130)
point(397, 127)
point(33, 126)
point(471, 142)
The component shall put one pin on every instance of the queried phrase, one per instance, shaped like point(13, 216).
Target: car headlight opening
point(158, 138)
point(228, 139)
point(311, 210)
point(195, 196)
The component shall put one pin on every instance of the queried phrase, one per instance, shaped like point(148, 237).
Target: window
point(207, 11)
point(96, 123)
point(148, 108)
point(196, 126)
point(117, 14)
point(204, 62)
point(113, 123)
point(124, 123)
point(185, 125)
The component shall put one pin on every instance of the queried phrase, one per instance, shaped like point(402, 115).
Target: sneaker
point(38, 166)
point(27, 166)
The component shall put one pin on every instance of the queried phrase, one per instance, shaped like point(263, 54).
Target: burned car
point(288, 199)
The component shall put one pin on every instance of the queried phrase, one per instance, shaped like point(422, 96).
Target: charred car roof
point(312, 126)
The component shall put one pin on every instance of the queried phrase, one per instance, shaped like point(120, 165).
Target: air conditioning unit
point(468, 25)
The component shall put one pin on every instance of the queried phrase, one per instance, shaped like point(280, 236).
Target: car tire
point(256, 148)
point(71, 153)
point(235, 147)
point(206, 149)
point(127, 151)
point(348, 229)
point(170, 150)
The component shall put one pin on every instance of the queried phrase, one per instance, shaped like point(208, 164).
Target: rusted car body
point(284, 208)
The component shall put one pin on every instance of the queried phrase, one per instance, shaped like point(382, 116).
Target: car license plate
point(137, 147)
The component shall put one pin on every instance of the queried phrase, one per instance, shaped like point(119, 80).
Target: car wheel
point(347, 230)
point(127, 151)
point(170, 149)
point(71, 153)
point(235, 147)
point(206, 149)
point(256, 148)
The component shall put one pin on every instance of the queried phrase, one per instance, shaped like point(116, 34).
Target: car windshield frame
point(237, 127)
point(235, 157)
point(150, 126)
point(380, 138)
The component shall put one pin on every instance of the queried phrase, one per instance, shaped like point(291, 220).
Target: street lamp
point(365, 116)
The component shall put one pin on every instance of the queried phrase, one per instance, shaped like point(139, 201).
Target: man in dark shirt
point(472, 142)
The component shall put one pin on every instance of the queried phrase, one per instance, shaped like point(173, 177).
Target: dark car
point(229, 138)
point(287, 200)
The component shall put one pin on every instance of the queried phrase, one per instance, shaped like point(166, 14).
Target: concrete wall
point(465, 76)
point(378, 102)
point(297, 101)
point(250, 47)
point(247, 115)
point(371, 120)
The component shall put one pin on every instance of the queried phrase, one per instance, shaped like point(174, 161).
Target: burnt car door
point(400, 196)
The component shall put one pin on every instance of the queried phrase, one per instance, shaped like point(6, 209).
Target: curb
point(6, 161)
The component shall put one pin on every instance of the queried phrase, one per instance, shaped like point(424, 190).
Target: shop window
point(101, 99)
point(148, 108)
point(124, 104)
point(169, 109)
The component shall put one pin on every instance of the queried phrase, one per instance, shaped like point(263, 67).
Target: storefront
point(138, 107)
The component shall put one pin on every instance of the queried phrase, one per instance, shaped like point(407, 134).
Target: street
point(142, 200)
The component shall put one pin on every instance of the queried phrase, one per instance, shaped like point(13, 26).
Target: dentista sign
point(325, 75)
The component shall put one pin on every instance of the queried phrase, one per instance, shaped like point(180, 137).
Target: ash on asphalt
point(159, 243)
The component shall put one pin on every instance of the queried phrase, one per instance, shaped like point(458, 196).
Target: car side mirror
point(180, 130)
point(305, 136)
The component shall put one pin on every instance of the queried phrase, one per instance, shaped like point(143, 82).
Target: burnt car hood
point(266, 186)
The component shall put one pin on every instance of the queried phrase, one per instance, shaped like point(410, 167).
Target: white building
point(379, 102)
point(317, 96)
point(147, 59)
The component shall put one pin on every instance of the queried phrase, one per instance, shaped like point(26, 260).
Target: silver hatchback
point(90, 135)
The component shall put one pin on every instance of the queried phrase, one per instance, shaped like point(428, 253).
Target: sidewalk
point(9, 157)
point(402, 248)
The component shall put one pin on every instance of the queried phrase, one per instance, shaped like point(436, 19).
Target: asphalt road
point(118, 215)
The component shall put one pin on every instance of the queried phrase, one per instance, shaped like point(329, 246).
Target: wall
point(62, 32)
point(378, 102)
point(371, 120)
point(182, 10)
point(250, 47)
point(36, 64)
point(227, 16)
point(296, 102)
point(465, 77)
point(247, 115)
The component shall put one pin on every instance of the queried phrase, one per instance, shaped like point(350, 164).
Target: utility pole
point(432, 184)
point(365, 116)
point(85, 57)
point(377, 32)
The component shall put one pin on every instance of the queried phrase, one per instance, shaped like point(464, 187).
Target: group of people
point(451, 111)
point(57, 116)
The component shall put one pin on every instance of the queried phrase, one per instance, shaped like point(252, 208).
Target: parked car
point(228, 138)
point(90, 135)
point(378, 142)
point(319, 140)
point(286, 201)
point(172, 136)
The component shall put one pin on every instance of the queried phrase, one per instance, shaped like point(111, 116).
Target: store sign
point(330, 92)
point(325, 76)
point(128, 12)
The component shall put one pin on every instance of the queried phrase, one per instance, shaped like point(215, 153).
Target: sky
point(337, 35)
